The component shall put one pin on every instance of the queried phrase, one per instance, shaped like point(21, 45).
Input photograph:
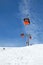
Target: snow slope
point(29, 55)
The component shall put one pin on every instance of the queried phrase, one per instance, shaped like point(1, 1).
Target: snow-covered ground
point(29, 55)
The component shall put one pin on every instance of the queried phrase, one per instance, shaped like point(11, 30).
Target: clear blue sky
point(12, 13)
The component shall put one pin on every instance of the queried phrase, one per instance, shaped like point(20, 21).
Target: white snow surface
point(29, 55)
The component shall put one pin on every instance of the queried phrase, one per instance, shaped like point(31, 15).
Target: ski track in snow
point(29, 55)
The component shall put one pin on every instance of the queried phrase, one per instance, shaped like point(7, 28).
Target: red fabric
point(26, 23)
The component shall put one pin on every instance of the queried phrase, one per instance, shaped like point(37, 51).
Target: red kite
point(26, 21)
point(22, 34)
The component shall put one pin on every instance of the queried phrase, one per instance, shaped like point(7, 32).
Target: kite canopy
point(22, 34)
point(26, 21)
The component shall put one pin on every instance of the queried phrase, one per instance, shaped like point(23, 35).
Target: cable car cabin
point(26, 21)
point(22, 35)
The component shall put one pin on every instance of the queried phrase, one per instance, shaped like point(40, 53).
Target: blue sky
point(12, 13)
